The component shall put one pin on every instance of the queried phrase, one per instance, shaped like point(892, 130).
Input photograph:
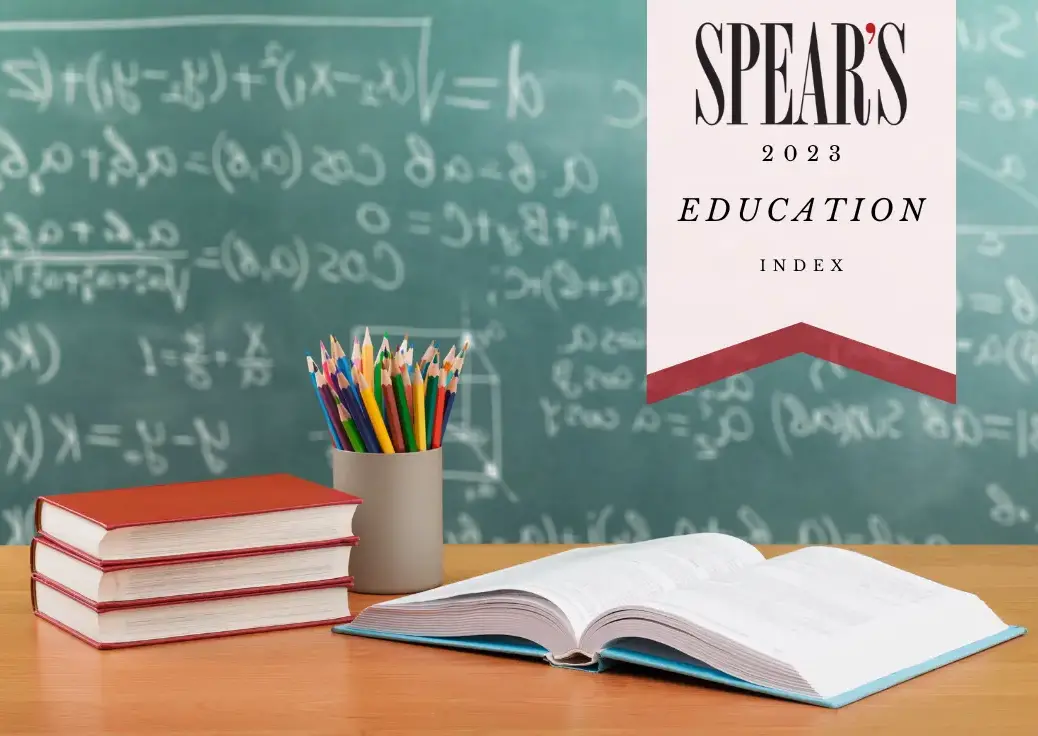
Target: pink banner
point(801, 190)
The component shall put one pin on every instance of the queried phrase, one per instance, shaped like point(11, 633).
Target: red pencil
point(438, 417)
point(392, 414)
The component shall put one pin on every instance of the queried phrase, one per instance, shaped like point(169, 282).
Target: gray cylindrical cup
point(400, 522)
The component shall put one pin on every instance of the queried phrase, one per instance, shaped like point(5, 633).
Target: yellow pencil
point(368, 357)
point(418, 387)
point(375, 416)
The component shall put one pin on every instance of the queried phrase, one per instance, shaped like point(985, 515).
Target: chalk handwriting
point(793, 420)
point(518, 199)
point(100, 83)
point(21, 524)
point(1003, 34)
point(31, 437)
point(284, 161)
point(561, 282)
point(86, 274)
point(29, 350)
point(609, 525)
point(255, 365)
point(1006, 511)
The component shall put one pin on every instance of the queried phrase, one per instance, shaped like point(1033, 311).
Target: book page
point(582, 583)
point(835, 607)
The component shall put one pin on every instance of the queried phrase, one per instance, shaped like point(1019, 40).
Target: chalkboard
point(189, 202)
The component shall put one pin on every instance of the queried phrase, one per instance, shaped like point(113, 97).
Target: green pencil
point(378, 382)
point(385, 352)
point(430, 399)
point(351, 429)
point(405, 413)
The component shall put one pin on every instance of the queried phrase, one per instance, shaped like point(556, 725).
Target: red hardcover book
point(107, 583)
point(189, 520)
point(117, 625)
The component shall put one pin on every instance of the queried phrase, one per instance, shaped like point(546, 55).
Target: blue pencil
point(347, 372)
point(448, 402)
point(360, 418)
point(320, 399)
point(344, 368)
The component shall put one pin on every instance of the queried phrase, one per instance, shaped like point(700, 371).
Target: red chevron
point(800, 338)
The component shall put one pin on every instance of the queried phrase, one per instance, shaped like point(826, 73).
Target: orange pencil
point(437, 437)
point(392, 415)
point(448, 360)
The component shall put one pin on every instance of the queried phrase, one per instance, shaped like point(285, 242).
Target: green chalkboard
point(190, 201)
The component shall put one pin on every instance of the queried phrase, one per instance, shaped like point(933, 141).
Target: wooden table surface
point(314, 682)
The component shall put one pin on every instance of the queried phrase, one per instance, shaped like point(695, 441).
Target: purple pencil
point(329, 402)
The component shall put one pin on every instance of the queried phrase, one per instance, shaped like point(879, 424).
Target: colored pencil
point(355, 370)
point(448, 359)
point(418, 388)
point(312, 367)
point(460, 360)
point(346, 366)
point(431, 385)
point(324, 363)
point(438, 417)
point(377, 422)
point(405, 373)
point(402, 350)
point(351, 429)
point(383, 401)
point(427, 355)
point(358, 402)
point(342, 365)
point(367, 357)
point(452, 391)
point(377, 384)
point(353, 405)
point(384, 353)
point(392, 415)
point(406, 425)
point(341, 441)
point(352, 424)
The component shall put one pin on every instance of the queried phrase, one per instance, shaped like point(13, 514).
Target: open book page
point(835, 618)
point(583, 583)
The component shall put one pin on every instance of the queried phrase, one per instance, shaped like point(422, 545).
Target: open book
point(820, 625)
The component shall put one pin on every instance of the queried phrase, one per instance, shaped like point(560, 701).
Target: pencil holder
point(400, 522)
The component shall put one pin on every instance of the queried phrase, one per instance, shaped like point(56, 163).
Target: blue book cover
point(667, 660)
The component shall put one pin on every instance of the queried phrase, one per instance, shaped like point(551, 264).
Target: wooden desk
point(314, 682)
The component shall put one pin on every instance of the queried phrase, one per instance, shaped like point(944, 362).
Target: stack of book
point(165, 563)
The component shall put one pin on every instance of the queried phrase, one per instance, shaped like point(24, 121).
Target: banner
point(801, 190)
